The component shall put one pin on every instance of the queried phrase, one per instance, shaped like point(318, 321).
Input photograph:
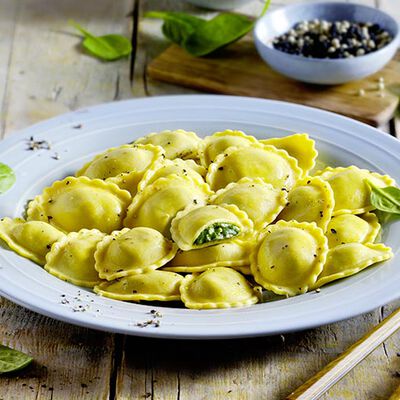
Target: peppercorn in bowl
point(327, 43)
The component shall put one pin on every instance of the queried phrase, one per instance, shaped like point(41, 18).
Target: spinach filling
point(217, 231)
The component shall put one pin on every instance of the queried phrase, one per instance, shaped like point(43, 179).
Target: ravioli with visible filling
point(218, 142)
point(254, 161)
point(289, 257)
point(349, 259)
point(151, 286)
point(311, 200)
point(72, 258)
point(158, 203)
point(299, 146)
point(121, 160)
point(170, 167)
point(217, 288)
point(132, 251)
point(77, 203)
point(177, 144)
point(350, 228)
point(197, 227)
point(32, 239)
point(350, 188)
point(261, 201)
point(235, 253)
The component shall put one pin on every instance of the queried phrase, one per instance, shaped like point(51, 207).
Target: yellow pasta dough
point(72, 258)
point(32, 239)
point(254, 161)
point(217, 288)
point(121, 160)
point(151, 286)
point(289, 257)
point(261, 201)
point(218, 142)
point(157, 204)
point(350, 188)
point(351, 258)
point(132, 251)
point(202, 226)
point(235, 253)
point(167, 167)
point(77, 203)
point(311, 200)
point(299, 146)
point(350, 228)
point(177, 144)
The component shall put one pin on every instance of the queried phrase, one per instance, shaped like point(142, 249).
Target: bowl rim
point(395, 42)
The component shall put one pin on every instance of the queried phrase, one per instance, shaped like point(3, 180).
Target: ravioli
point(177, 144)
point(170, 167)
point(158, 203)
point(151, 286)
point(217, 288)
point(254, 161)
point(32, 239)
point(299, 146)
point(203, 226)
point(261, 201)
point(121, 160)
point(72, 258)
point(349, 259)
point(132, 251)
point(218, 142)
point(235, 253)
point(350, 188)
point(128, 181)
point(289, 257)
point(350, 228)
point(76, 203)
point(311, 200)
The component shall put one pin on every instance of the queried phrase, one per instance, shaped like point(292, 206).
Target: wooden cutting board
point(239, 70)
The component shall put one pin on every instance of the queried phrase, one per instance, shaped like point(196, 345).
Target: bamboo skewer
point(338, 368)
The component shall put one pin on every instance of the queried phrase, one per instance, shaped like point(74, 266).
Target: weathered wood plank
point(8, 15)
point(54, 76)
point(70, 363)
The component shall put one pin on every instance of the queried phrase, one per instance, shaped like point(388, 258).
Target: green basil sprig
point(7, 178)
point(12, 360)
point(200, 37)
point(107, 47)
point(386, 200)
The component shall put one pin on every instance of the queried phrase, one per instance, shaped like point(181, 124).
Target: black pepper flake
point(272, 266)
point(308, 182)
point(321, 214)
point(48, 247)
point(333, 231)
point(78, 126)
point(84, 385)
point(194, 201)
point(68, 182)
point(220, 168)
point(49, 217)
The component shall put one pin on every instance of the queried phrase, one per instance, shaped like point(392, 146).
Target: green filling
point(217, 231)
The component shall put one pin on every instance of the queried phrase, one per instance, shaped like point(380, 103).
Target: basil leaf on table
point(12, 360)
point(7, 178)
point(107, 47)
point(200, 37)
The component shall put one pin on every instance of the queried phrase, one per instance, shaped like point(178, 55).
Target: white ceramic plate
point(77, 136)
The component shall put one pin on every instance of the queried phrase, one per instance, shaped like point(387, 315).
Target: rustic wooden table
point(43, 73)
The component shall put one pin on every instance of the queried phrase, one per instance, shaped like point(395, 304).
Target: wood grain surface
point(43, 72)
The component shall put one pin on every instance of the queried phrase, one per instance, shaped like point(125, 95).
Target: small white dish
point(316, 70)
point(79, 135)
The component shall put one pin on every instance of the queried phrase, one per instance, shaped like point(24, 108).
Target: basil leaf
point(200, 37)
point(108, 47)
point(385, 199)
point(218, 32)
point(12, 360)
point(217, 231)
point(7, 178)
point(385, 218)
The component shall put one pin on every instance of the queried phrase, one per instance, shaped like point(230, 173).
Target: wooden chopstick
point(338, 368)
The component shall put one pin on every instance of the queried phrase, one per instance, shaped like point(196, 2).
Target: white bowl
point(317, 70)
